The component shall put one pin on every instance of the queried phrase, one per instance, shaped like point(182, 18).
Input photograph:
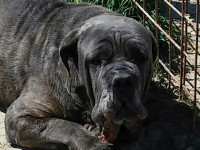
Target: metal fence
point(188, 85)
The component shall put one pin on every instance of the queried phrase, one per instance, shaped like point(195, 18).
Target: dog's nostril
point(122, 80)
point(116, 83)
point(129, 81)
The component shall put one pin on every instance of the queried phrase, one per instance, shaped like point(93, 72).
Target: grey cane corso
point(71, 75)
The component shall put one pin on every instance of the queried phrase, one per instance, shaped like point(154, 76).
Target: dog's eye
point(137, 56)
point(138, 59)
point(94, 61)
point(96, 57)
point(141, 58)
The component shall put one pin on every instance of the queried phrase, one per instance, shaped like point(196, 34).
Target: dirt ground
point(4, 145)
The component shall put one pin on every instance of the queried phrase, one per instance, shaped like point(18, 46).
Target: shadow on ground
point(168, 126)
point(2, 109)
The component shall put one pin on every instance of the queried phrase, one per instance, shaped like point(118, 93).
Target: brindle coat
point(65, 65)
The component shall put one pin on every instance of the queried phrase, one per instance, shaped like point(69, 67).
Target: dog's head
point(114, 56)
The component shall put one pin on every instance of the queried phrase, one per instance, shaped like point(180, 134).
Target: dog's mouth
point(111, 114)
point(109, 130)
point(110, 127)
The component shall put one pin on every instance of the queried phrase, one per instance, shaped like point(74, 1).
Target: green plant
point(121, 6)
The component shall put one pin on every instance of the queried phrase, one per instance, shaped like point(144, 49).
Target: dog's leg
point(31, 122)
point(25, 129)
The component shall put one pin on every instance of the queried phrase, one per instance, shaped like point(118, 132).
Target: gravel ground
point(4, 145)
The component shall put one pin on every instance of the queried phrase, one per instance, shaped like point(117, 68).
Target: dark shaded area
point(2, 109)
point(168, 126)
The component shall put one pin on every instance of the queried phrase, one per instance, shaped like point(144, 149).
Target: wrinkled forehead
point(114, 33)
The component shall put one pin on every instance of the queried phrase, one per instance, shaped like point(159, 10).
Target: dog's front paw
point(94, 129)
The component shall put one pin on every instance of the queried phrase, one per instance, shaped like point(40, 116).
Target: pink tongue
point(102, 137)
point(108, 134)
point(110, 137)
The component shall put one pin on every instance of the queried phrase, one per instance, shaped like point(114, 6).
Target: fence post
point(182, 48)
point(170, 44)
point(195, 65)
point(144, 7)
point(185, 43)
point(156, 9)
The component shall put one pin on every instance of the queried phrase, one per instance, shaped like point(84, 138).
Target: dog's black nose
point(122, 80)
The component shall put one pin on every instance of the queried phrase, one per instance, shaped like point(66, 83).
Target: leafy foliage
point(120, 6)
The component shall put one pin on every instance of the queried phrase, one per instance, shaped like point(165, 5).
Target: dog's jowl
point(71, 76)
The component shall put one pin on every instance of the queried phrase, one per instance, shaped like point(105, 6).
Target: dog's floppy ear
point(68, 49)
point(154, 46)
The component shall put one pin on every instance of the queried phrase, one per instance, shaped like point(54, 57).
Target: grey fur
point(65, 65)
